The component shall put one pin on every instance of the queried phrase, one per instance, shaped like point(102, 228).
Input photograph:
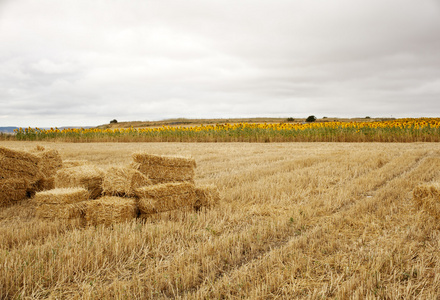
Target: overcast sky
point(86, 62)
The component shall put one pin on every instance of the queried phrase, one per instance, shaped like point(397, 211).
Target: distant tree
point(290, 120)
point(367, 117)
point(311, 119)
point(114, 121)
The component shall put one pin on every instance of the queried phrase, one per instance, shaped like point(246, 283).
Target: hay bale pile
point(163, 169)
point(19, 170)
point(427, 198)
point(61, 203)
point(152, 184)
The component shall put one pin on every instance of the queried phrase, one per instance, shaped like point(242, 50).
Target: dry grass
point(297, 220)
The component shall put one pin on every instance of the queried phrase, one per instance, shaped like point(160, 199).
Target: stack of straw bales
point(427, 198)
point(18, 172)
point(50, 162)
point(87, 176)
point(165, 197)
point(162, 169)
point(61, 203)
point(66, 190)
point(108, 210)
point(122, 181)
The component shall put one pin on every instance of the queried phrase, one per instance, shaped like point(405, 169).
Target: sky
point(86, 62)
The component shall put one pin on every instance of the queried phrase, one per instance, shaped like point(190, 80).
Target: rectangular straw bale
point(88, 176)
point(50, 161)
point(162, 160)
point(161, 169)
point(206, 196)
point(12, 190)
point(109, 209)
point(164, 174)
point(62, 196)
point(18, 164)
point(61, 211)
point(427, 198)
point(122, 181)
point(165, 197)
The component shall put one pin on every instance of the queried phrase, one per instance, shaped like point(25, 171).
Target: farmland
point(400, 130)
point(296, 220)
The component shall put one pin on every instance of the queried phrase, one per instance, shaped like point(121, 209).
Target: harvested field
point(295, 220)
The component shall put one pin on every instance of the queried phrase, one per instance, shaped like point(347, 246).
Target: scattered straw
point(427, 198)
point(69, 163)
point(108, 210)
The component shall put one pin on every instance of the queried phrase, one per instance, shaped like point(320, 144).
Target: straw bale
point(121, 181)
point(427, 198)
point(18, 164)
point(12, 190)
point(43, 184)
point(207, 196)
point(50, 161)
point(62, 196)
point(109, 209)
point(61, 211)
point(164, 174)
point(88, 176)
point(68, 163)
point(165, 197)
point(162, 160)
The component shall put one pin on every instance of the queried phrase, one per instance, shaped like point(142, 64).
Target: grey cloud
point(88, 60)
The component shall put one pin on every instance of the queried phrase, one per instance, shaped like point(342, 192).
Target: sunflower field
point(399, 130)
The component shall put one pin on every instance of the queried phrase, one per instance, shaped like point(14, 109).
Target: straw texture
point(61, 211)
point(122, 181)
point(18, 164)
point(88, 176)
point(427, 198)
point(165, 197)
point(62, 196)
point(108, 210)
point(69, 163)
point(12, 190)
point(162, 169)
point(206, 196)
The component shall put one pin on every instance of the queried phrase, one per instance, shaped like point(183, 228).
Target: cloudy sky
point(86, 62)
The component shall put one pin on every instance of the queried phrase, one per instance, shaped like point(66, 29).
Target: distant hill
point(9, 129)
point(195, 122)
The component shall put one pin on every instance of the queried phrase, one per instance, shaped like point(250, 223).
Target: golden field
point(296, 220)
